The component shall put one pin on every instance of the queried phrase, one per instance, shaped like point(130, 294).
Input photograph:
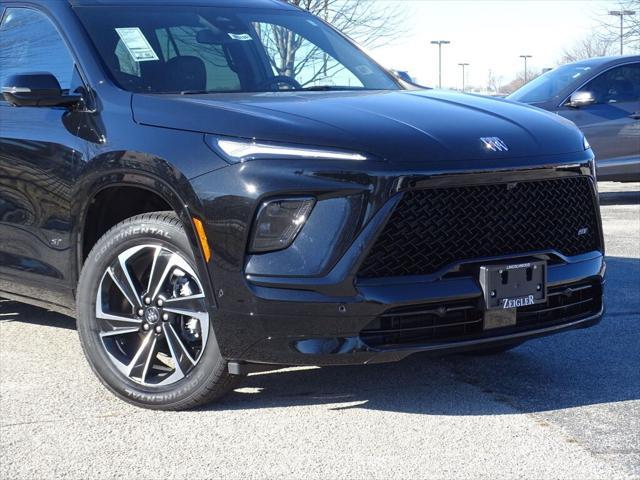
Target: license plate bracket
point(510, 286)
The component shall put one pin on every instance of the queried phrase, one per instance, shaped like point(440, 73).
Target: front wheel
point(144, 320)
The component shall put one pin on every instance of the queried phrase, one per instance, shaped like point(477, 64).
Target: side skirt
point(64, 310)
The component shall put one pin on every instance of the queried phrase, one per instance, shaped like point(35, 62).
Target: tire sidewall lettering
point(128, 233)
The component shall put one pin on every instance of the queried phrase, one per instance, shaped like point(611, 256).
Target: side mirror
point(36, 90)
point(581, 99)
point(402, 75)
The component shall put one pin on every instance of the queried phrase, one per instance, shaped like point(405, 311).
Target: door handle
point(635, 116)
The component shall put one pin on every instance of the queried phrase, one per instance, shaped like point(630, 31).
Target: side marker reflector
point(204, 243)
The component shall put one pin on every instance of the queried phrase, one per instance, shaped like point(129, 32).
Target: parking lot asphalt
point(566, 406)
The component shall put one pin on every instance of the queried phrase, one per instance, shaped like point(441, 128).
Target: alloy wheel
point(151, 315)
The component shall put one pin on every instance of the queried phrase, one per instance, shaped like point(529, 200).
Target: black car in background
point(218, 187)
point(602, 97)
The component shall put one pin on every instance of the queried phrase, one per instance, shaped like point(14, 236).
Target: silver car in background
point(602, 97)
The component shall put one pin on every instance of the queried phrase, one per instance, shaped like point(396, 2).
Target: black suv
point(223, 187)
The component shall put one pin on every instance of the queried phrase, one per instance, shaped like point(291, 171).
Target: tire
point(144, 317)
point(489, 351)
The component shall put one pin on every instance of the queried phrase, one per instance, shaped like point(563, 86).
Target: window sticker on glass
point(137, 44)
point(245, 37)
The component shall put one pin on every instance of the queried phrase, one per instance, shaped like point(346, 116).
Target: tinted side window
point(620, 84)
point(30, 43)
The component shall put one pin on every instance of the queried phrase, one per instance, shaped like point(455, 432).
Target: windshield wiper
point(315, 88)
point(328, 88)
point(195, 92)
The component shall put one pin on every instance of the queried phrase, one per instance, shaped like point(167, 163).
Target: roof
point(600, 61)
point(212, 3)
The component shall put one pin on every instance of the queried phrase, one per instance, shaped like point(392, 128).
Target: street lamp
point(440, 43)
point(463, 65)
point(526, 78)
point(622, 14)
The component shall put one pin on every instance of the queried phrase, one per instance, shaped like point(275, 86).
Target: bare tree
point(494, 82)
point(609, 26)
point(588, 47)
point(369, 23)
point(518, 82)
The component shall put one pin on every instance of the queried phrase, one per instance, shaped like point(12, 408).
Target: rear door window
point(618, 85)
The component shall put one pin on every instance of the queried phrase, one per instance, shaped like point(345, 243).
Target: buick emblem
point(152, 315)
point(494, 144)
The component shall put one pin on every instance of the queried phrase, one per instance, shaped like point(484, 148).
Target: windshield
point(551, 84)
point(191, 49)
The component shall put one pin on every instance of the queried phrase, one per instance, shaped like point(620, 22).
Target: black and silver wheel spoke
point(143, 358)
point(122, 279)
point(151, 315)
point(111, 325)
point(116, 324)
point(190, 304)
point(181, 357)
point(163, 262)
point(202, 317)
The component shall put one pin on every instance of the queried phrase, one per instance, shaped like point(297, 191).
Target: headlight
point(241, 150)
point(592, 162)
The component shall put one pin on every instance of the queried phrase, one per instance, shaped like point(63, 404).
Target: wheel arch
point(135, 172)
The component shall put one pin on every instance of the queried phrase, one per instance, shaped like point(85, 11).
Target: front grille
point(433, 228)
point(455, 321)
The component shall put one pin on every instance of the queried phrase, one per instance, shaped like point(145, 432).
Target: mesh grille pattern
point(433, 228)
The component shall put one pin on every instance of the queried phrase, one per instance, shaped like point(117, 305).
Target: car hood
point(401, 126)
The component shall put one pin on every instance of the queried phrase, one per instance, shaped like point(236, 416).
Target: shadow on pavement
point(19, 312)
point(572, 369)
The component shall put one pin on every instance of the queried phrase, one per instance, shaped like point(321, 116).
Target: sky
point(487, 35)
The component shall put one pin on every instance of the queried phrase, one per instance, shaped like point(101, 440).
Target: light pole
point(440, 43)
point(622, 14)
point(526, 57)
point(463, 65)
point(325, 60)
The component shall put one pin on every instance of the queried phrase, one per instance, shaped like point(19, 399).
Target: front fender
point(142, 171)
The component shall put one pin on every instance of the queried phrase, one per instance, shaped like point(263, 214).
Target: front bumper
point(308, 306)
point(305, 331)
